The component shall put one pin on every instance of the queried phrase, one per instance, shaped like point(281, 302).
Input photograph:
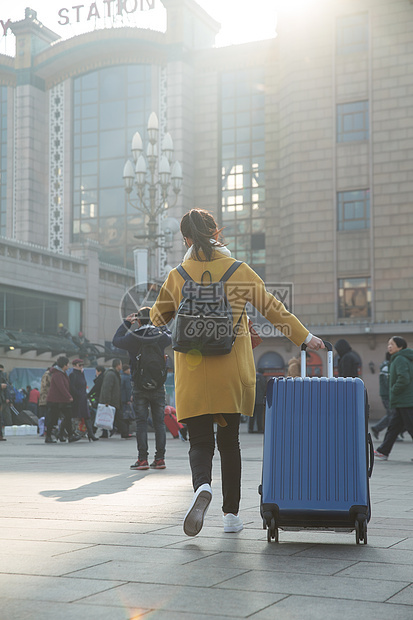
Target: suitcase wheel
point(361, 532)
point(272, 531)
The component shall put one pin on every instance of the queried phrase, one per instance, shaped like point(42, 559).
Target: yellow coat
point(225, 383)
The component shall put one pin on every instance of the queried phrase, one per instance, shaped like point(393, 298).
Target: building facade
point(302, 147)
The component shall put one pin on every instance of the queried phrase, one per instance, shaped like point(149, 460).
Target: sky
point(241, 20)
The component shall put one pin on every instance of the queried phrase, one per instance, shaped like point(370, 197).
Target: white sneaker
point(194, 518)
point(232, 523)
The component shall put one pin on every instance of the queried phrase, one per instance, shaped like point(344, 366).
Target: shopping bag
point(105, 416)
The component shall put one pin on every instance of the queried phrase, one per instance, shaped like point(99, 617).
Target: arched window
point(271, 364)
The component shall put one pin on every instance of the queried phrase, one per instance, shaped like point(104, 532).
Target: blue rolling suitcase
point(318, 454)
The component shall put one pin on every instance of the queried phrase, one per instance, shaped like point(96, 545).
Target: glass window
point(112, 144)
point(354, 298)
point(352, 33)
point(112, 114)
point(353, 210)
point(353, 121)
point(21, 310)
point(112, 103)
point(243, 164)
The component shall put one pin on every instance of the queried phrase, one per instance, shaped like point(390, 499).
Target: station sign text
point(105, 8)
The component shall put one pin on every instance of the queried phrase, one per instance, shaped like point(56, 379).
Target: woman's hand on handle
point(315, 344)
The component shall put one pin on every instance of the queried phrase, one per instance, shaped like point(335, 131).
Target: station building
point(301, 145)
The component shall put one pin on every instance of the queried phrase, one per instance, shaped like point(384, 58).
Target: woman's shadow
point(108, 486)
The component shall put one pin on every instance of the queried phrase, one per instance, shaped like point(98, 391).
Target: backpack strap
point(231, 270)
point(183, 273)
point(224, 278)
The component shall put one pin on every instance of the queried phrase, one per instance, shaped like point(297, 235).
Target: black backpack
point(150, 369)
point(204, 320)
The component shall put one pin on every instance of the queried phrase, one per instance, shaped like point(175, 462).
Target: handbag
point(105, 416)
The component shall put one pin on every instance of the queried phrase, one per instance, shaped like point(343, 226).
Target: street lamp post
point(152, 178)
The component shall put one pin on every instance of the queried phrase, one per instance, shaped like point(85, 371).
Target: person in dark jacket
point(110, 394)
point(348, 361)
point(400, 394)
point(258, 415)
point(131, 339)
point(384, 395)
point(59, 401)
point(94, 393)
point(126, 395)
point(78, 390)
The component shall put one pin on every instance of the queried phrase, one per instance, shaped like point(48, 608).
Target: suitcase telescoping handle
point(329, 348)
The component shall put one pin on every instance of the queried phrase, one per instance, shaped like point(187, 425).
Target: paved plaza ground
point(83, 536)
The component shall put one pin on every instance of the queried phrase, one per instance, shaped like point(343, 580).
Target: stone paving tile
point(69, 510)
point(45, 610)
point(185, 599)
point(294, 564)
point(177, 615)
point(131, 540)
point(405, 597)
point(239, 545)
point(325, 586)
point(316, 608)
point(407, 543)
point(36, 548)
point(375, 570)
point(358, 553)
point(47, 566)
point(163, 537)
point(187, 575)
point(149, 555)
point(62, 589)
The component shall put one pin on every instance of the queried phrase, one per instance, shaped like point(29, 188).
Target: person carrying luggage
point(110, 394)
point(216, 387)
point(78, 390)
point(146, 347)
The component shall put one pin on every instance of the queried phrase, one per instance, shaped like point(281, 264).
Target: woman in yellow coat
point(218, 388)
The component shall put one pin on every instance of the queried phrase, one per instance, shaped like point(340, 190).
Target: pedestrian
point(59, 401)
point(78, 390)
point(44, 390)
point(400, 394)
point(384, 395)
point(348, 361)
point(3, 399)
point(94, 393)
point(126, 395)
point(33, 401)
point(110, 394)
point(141, 340)
point(259, 405)
point(218, 388)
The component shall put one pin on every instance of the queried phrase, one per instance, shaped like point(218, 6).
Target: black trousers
point(402, 419)
point(202, 447)
point(53, 413)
